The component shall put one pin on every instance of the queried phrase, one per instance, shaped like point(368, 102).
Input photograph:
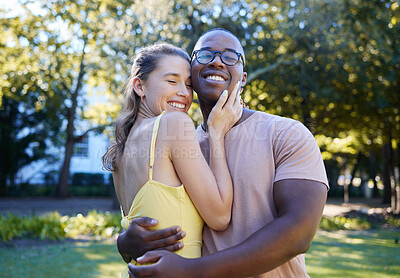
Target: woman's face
point(168, 87)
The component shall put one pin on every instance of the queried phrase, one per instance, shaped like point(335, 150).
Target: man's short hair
point(223, 30)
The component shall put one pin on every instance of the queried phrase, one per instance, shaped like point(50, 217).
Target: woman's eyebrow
point(171, 74)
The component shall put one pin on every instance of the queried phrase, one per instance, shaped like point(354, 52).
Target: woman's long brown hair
point(143, 65)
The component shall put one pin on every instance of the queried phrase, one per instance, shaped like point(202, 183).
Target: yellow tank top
point(171, 206)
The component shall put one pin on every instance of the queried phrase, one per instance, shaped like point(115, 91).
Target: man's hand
point(137, 239)
point(166, 264)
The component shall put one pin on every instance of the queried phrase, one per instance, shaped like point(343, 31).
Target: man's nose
point(216, 61)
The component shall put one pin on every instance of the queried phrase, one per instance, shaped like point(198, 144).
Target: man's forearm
point(268, 248)
point(290, 234)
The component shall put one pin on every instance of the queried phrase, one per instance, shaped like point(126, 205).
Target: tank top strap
point(153, 144)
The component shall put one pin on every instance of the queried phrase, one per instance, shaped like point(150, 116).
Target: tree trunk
point(7, 144)
point(397, 190)
point(387, 162)
point(62, 187)
point(4, 146)
point(372, 166)
point(353, 173)
point(346, 192)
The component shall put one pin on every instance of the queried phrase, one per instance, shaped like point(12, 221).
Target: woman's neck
point(144, 111)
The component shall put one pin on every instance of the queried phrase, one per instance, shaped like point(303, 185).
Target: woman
point(156, 160)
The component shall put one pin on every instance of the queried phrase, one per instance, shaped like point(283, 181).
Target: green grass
point(354, 254)
point(366, 254)
point(81, 259)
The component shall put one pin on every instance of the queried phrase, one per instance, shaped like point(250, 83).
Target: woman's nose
point(183, 93)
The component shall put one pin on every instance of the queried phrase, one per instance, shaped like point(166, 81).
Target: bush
point(344, 223)
point(87, 179)
point(25, 189)
point(54, 227)
point(90, 190)
point(41, 227)
point(94, 224)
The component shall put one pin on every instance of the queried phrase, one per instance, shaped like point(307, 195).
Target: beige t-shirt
point(261, 150)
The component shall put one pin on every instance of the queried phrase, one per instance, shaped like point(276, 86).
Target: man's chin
point(209, 98)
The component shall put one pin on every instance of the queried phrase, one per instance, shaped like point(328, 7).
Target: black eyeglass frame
point(240, 56)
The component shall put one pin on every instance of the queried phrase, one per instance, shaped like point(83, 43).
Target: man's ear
point(244, 79)
point(138, 86)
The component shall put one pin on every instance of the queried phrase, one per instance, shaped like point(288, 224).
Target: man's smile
point(215, 76)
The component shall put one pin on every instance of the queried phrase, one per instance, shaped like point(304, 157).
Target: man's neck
point(206, 110)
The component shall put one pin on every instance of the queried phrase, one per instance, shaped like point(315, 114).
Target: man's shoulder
point(270, 121)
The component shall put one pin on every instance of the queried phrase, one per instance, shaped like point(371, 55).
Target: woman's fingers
point(232, 96)
point(222, 100)
point(238, 106)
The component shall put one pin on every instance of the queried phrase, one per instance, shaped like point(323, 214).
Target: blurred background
point(334, 65)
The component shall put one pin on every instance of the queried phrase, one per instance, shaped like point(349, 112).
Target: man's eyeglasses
point(228, 57)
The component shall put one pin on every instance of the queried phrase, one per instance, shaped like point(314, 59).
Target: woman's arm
point(210, 189)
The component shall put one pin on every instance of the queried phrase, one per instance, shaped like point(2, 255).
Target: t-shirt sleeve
point(297, 155)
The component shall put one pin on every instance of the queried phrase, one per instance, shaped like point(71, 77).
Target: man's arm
point(299, 204)
point(137, 239)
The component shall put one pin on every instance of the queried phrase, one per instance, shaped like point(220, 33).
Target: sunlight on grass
point(354, 254)
point(110, 270)
point(88, 259)
point(363, 254)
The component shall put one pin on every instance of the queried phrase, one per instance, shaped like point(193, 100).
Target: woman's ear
point(138, 86)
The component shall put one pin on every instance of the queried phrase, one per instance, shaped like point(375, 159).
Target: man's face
point(210, 80)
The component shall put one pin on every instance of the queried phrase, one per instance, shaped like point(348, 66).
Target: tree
point(29, 112)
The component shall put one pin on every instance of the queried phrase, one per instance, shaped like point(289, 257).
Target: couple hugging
point(242, 195)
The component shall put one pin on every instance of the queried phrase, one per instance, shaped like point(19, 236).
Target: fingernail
point(183, 234)
point(180, 245)
point(138, 259)
point(178, 229)
point(225, 92)
point(153, 221)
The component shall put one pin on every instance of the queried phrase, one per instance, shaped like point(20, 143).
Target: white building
point(85, 159)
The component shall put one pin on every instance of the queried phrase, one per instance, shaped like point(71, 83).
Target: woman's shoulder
point(176, 120)
point(178, 125)
point(176, 115)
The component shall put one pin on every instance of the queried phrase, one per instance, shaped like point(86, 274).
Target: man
point(280, 187)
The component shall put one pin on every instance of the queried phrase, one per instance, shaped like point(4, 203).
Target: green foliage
point(45, 227)
point(362, 222)
point(104, 225)
point(55, 227)
point(334, 65)
point(393, 221)
point(41, 227)
point(11, 226)
point(344, 223)
point(94, 224)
